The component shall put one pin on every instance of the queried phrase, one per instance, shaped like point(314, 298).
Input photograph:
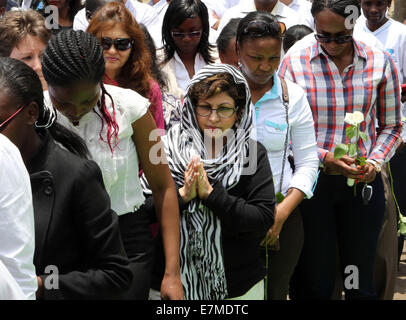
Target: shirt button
point(48, 190)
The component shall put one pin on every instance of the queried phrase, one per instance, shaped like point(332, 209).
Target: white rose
point(349, 118)
point(357, 117)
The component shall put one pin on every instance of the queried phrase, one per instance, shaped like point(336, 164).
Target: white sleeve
point(79, 21)
point(9, 288)
point(303, 143)
point(17, 239)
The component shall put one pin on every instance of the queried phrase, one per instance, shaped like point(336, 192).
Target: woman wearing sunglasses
point(116, 126)
point(283, 122)
point(75, 239)
point(128, 61)
point(342, 75)
point(185, 34)
point(226, 207)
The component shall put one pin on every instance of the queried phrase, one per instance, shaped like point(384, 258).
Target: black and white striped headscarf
point(202, 267)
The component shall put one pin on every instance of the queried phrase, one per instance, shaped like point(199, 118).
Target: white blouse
point(120, 168)
point(270, 129)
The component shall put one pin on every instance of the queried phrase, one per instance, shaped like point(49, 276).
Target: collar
point(316, 50)
point(38, 160)
point(249, 6)
point(273, 93)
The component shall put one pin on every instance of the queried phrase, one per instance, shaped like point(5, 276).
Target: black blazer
point(75, 228)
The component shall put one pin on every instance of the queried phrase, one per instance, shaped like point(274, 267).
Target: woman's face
point(115, 59)
point(213, 125)
point(75, 101)
point(332, 25)
point(259, 58)
point(187, 35)
point(230, 55)
point(30, 50)
point(17, 128)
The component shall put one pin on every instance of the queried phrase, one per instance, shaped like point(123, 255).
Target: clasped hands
point(344, 165)
point(196, 182)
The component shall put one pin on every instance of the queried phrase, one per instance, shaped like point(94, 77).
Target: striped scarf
point(201, 256)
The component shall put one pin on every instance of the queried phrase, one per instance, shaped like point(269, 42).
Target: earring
point(239, 64)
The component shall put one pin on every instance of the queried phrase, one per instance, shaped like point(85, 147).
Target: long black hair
point(24, 84)
point(340, 7)
point(74, 56)
point(178, 11)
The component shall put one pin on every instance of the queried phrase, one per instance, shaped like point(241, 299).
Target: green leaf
point(340, 151)
point(350, 132)
point(362, 161)
point(279, 197)
point(402, 228)
point(363, 136)
point(352, 150)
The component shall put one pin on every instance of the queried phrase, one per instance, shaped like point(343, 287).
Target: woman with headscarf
point(225, 189)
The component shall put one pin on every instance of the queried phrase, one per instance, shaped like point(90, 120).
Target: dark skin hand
point(365, 173)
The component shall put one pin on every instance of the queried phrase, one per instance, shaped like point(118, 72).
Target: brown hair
point(135, 74)
point(15, 26)
point(221, 82)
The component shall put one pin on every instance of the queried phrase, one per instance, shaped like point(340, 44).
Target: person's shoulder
point(9, 154)
point(123, 95)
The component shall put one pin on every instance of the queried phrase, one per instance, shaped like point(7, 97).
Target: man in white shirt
point(303, 8)
point(284, 14)
point(17, 239)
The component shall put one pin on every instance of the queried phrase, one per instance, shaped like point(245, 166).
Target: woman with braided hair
point(116, 126)
point(76, 240)
point(225, 186)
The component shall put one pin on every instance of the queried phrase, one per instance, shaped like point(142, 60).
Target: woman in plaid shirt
point(340, 75)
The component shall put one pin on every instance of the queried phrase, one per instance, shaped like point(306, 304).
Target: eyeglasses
point(260, 28)
point(120, 44)
point(8, 120)
point(222, 112)
point(181, 35)
point(339, 39)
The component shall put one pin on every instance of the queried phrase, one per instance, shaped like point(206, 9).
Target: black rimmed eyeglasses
point(8, 120)
point(222, 112)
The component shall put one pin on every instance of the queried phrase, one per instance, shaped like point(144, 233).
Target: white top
point(9, 288)
point(182, 76)
point(285, 14)
point(270, 129)
point(17, 238)
point(79, 21)
point(120, 169)
point(392, 36)
point(303, 8)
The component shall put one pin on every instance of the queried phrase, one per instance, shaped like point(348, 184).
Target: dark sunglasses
point(120, 44)
point(339, 40)
point(181, 35)
point(260, 28)
point(8, 120)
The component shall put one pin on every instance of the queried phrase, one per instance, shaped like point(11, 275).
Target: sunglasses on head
point(338, 39)
point(8, 120)
point(181, 35)
point(261, 28)
point(120, 44)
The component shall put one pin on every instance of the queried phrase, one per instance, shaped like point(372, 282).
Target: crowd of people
point(193, 149)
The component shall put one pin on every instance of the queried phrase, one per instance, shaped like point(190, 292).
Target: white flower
point(354, 119)
point(357, 117)
point(349, 118)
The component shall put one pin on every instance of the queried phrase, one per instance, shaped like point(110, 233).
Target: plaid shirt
point(369, 85)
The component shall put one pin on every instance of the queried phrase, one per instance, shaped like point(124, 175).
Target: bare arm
point(166, 204)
